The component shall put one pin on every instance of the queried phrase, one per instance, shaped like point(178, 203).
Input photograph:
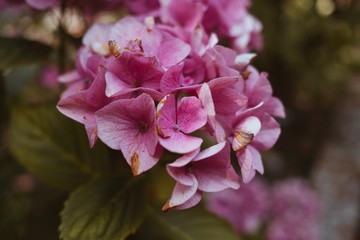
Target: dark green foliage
point(55, 148)
point(191, 224)
point(107, 208)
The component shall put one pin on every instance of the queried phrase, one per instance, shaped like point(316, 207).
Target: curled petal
point(181, 194)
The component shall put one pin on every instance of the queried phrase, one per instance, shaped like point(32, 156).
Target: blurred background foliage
point(311, 51)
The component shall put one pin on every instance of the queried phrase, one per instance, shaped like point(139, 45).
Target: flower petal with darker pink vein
point(129, 125)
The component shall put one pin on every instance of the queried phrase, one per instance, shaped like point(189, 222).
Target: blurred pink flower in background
point(288, 210)
point(245, 208)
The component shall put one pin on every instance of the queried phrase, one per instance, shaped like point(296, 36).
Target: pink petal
point(126, 29)
point(258, 90)
point(209, 152)
point(195, 199)
point(258, 110)
point(257, 162)
point(69, 77)
point(205, 97)
point(129, 125)
point(178, 170)
point(275, 107)
point(244, 60)
point(132, 71)
point(172, 51)
point(180, 143)
point(185, 159)
point(245, 161)
point(97, 38)
point(187, 14)
point(114, 84)
point(91, 129)
point(191, 115)
point(269, 134)
point(171, 79)
point(82, 105)
point(166, 115)
point(181, 194)
point(249, 124)
point(214, 172)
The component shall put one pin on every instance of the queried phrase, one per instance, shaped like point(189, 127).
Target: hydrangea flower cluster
point(293, 211)
point(158, 81)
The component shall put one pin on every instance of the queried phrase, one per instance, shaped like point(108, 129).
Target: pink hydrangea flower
point(49, 76)
point(232, 20)
point(130, 34)
point(245, 208)
point(178, 119)
point(160, 80)
point(196, 172)
point(295, 212)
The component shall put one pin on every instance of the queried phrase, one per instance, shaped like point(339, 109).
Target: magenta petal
point(81, 106)
point(185, 159)
point(186, 14)
point(133, 71)
point(172, 51)
point(69, 77)
point(177, 170)
point(275, 107)
point(114, 84)
point(181, 194)
point(126, 29)
point(258, 89)
point(180, 143)
point(245, 161)
point(211, 151)
point(75, 106)
point(214, 172)
point(269, 134)
point(171, 79)
point(180, 175)
point(205, 97)
point(191, 115)
point(166, 115)
point(257, 162)
point(91, 129)
point(195, 199)
point(129, 125)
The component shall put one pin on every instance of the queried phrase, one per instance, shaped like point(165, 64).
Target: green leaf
point(15, 52)
point(55, 148)
point(191, 224)
point(108, 208)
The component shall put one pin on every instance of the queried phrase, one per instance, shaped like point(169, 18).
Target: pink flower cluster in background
point(289, 210)
point(159, 82)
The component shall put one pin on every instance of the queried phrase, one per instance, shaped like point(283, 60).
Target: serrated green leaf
point(109, 208)
point(191, 224)
point(54, 148)
point(15, 52)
